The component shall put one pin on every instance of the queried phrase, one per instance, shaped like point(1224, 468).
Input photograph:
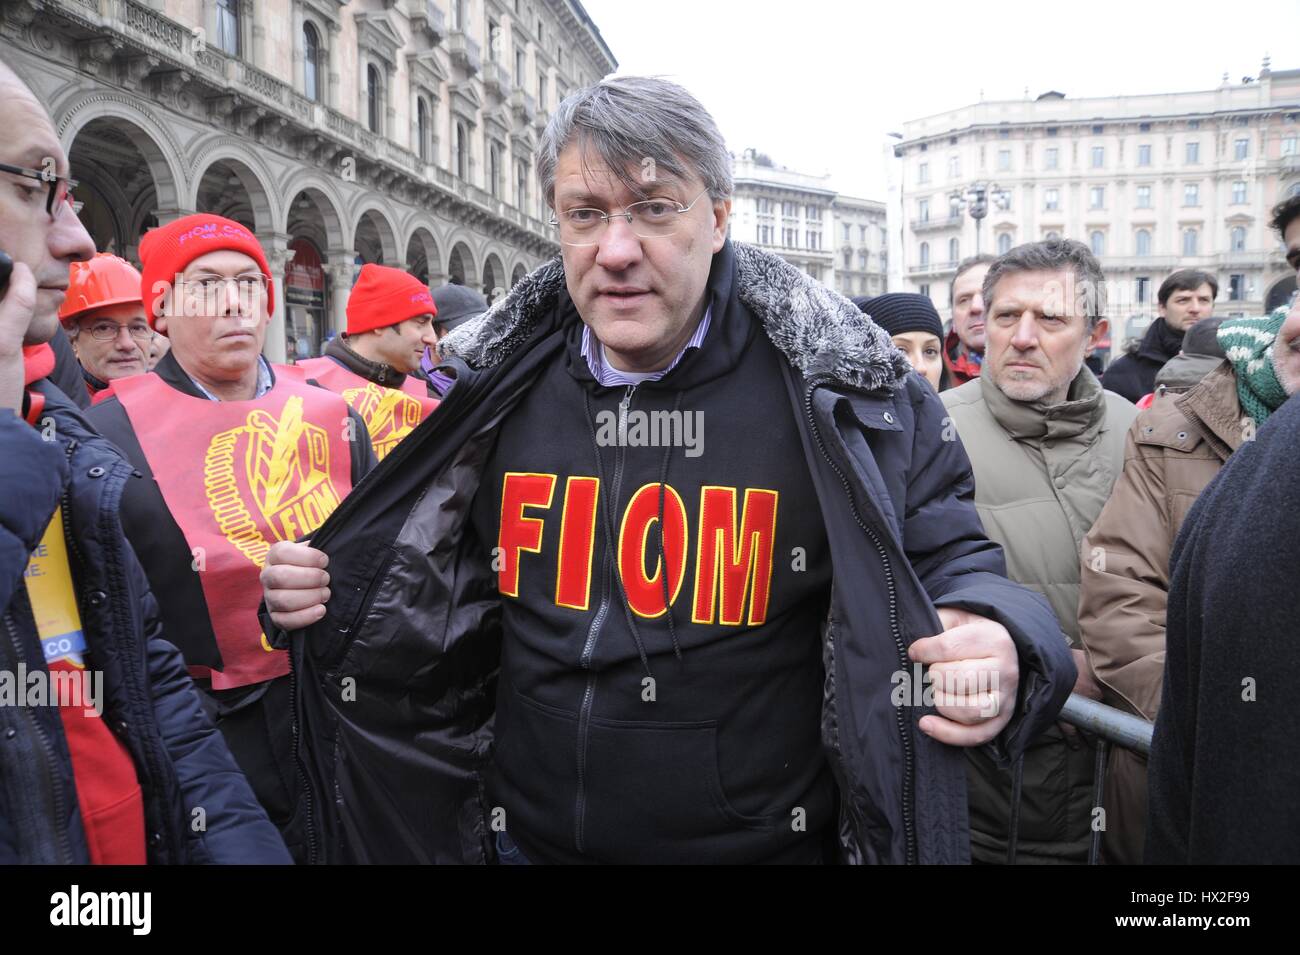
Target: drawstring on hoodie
point(607, 525)
point(663, 557)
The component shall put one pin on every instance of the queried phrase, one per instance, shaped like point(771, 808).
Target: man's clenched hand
point(974, 672)
point(295, 584)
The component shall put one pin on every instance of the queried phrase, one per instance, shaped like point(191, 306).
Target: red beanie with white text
point(167, 250)
point(384, 296)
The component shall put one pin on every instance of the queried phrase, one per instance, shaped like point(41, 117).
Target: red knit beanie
point(167, 250)
point(384, 296)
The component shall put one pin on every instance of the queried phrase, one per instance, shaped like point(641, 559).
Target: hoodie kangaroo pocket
point(653, 794)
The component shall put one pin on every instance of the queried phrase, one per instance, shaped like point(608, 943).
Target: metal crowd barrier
point(1111, 727)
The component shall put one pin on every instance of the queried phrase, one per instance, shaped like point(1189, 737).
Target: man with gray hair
point(561, 630)
point(1046, 444)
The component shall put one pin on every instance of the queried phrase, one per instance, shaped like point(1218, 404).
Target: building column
point(331, 96)
point(276, 247)
point(256, 32)
point(341, 266)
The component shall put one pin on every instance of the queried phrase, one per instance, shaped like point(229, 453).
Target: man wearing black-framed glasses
point(113, 779)
point(59, 187)
point(38, 230)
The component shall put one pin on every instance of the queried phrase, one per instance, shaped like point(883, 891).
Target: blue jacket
point(395, 686)
point(150, 701)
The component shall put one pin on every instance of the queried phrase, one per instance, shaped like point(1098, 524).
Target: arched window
point(1238, 238)
point(494, 170)
point(1098, 242)
point(310, 62)
point(374, 97)
point(925, 253)
point(422, 128)
point(1004, 243)
point(1190, 241)
point(954, 250)
point(1143, 242)
point(462, 151)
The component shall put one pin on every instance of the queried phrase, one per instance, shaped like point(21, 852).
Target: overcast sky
point(817, 85)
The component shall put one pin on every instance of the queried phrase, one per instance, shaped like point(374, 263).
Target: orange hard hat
point(104, 280)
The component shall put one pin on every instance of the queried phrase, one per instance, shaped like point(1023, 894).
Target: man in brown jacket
point(1174, 449)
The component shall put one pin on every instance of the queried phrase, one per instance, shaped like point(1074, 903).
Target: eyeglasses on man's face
point(107, 331)
point(58, 188)
point(206, 286)
point(649, 219)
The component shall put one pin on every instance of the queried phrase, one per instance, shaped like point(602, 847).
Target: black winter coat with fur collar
point(395, 687)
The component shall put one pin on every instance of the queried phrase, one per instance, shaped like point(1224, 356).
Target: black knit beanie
point(899, 312)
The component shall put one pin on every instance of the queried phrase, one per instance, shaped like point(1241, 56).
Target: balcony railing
point(523, 104)
point(1155, 264)
point(425, 16)
point(496, 80)
point(932, 268)
point(1249, 258)
point(265, 85)
point(946, 222)
point(464, 52)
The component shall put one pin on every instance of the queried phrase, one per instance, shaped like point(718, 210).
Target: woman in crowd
point(913, 323)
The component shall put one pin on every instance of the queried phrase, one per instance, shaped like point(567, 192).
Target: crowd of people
point(424, 598)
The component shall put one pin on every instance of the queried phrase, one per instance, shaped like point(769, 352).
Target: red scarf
point(38, 362)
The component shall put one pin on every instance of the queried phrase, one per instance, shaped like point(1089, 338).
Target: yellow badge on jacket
point(54, 601)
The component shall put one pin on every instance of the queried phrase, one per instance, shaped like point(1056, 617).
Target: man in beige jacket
point(1174, 450)
point(1046, 445)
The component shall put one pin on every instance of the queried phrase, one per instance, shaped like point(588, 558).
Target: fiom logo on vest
point(286, 471)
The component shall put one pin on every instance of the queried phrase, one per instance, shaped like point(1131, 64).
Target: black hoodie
point(625, 734)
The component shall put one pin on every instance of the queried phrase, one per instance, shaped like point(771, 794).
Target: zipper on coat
point(909, 767)
point(597, 622)
point(309, 807)
point(59, 812)
point(66, 509)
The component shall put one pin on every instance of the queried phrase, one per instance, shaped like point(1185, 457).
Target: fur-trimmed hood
point(819, 331)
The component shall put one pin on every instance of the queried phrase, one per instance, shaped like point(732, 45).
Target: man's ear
point(1098, 333)
point(160, 325)
point(721, 216)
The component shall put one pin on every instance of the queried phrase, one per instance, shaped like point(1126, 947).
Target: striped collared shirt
point(611, 377)
point(263, 381)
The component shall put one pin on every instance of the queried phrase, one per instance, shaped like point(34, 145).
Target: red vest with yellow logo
point(238, 476)
point(390, 415)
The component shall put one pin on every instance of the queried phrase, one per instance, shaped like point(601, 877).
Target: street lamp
point(975, 200)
